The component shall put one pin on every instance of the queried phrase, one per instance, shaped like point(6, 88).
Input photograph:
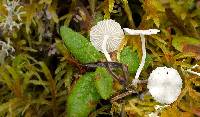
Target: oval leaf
point(130, 58)
point(79, 46)
point(83, 97)
point(103, 83)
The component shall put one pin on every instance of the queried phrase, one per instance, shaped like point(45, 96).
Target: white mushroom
point(141, 33)
point(106, 36)
point(165, 85)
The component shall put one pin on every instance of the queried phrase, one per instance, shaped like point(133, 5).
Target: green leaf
point(79, 46)
point(187, 45)
point(83, 97)
point(103, 83)
point(130, 58)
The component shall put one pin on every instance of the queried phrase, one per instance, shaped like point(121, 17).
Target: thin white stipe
point(136, 80)
point(104, 48)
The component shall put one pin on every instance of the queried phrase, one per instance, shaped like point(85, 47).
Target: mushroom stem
point(104, 48)
point(136, 80)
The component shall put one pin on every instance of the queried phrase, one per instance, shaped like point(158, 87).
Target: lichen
point(13, 17)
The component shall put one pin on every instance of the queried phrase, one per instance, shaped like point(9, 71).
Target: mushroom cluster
point(164, 85)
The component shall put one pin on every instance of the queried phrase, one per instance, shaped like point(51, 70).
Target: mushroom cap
point(164, 85)
point(106, 28)
point(139, 32)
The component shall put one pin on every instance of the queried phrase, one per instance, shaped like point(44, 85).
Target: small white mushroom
point(141, 33)
point(106, 36)
point(165, 85)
